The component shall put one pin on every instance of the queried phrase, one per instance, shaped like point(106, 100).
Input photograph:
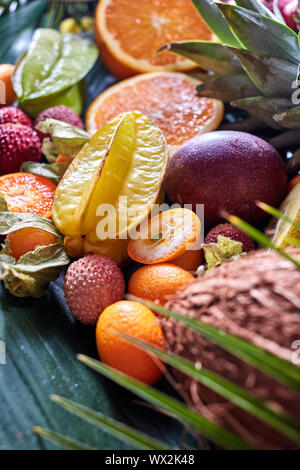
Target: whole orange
point(138, 321)
point(27, 239)
point(157, 282)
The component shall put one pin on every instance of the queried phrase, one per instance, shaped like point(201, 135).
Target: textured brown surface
point(256, 298)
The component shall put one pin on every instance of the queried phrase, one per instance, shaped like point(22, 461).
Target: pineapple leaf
point(272, 76)
point(115, 428)
point(262, 35)
point(278, 214)
point(215, 21)
point(227, 88)
point(277, 12)
point(283, 371)
point(263, 108)
point(210, 56)
point(229, 390)
point(262, 239)
point(62, 441)
point(257, 7)
point(289, 118)
point(180, 411)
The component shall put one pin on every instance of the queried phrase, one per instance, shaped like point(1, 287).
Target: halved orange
point(165, 236)
point(129, 33)
point(25, 192)
point(168, 98)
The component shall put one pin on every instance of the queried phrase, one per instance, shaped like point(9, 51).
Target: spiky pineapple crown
point(252, 40)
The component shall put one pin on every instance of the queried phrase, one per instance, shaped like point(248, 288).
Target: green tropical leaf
point(17, 28)
point(227, 88)
point(272, 76)
point(209, 56)
point(215, 21)
point(61, 440)
point(232, 392)
point(113, 427)
point(262, 35)
point(177, 409)
point(281, 370)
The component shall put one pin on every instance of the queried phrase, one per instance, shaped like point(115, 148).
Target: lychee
point(61, 113)
point(232, 232)
point(92, 283)
point(14, 115)
point(18, 144)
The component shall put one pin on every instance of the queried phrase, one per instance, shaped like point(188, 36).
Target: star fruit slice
point(113, 182)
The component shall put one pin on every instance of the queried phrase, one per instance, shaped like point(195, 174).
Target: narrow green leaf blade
point(278, 214)
point(262, 239)
point(219, 435)
point(215, 21)
point(113, 427)
point(237, 395)
point(262, 35)
point(62, 441)
point(209, 56)
point(280, 369)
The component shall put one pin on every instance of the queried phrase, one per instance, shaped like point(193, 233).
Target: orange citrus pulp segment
point(168, 98)
point(130, 32)
point(165, 236)
point(25, 192)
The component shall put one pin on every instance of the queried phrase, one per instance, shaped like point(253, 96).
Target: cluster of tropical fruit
point(150, 139)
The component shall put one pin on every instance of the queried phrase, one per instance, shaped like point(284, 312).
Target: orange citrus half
point(165, 236)
point(129, 33)
point(25, 192)
point(168, 98)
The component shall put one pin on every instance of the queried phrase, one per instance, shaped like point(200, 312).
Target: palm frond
point(113, 427)
point(232, 392)
point(61, 440)
point(216, 433)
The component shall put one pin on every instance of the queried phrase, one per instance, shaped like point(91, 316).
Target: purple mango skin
point(227, 170)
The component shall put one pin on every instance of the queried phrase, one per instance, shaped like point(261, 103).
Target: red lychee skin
point(61, 113)
point(232, 232)
point(18, 144)
point(14, 115)
point(91, 284)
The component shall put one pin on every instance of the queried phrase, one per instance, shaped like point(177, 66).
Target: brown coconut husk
point(257, 298)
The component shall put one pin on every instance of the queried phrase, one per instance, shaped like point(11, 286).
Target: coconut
point(257, 298)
